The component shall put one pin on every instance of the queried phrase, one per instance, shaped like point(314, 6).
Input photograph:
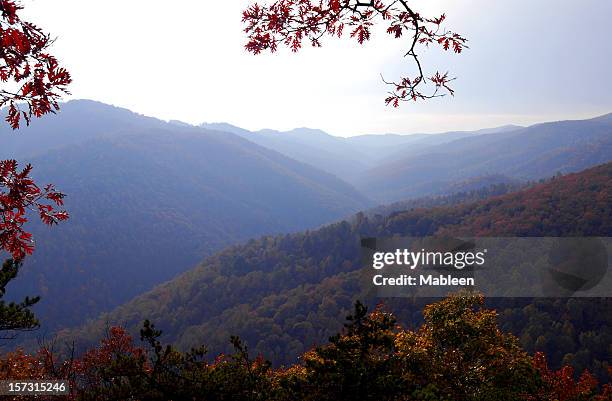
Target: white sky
point(529, 61)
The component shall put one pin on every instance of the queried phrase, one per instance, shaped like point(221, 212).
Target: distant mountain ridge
point(149, 199)
point(347, 158)
point(78, 121)
point(529, 153)
point(390, 168)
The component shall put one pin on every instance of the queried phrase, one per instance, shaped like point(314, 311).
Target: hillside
point(77, 122)
point(530, 153)
point(149, 199)
point(283, 294)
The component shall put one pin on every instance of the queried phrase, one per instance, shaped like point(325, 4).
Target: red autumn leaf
point(289, 22)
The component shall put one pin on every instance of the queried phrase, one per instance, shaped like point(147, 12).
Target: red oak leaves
point(33, 80)
point(37, 79)
point(290, 22)
point(18, 194)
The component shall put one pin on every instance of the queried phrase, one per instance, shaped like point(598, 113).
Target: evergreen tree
point(14, 317)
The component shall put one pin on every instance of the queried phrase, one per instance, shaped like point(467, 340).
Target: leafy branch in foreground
point(290, 22)
point(38, 80)
point(32, 83)
point(18, 194)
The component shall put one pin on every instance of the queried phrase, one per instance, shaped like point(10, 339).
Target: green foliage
point(359, 363)
point(459, 335)
point(14, 317)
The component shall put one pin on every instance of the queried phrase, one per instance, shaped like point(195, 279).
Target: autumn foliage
point(459, 353)
point(292, 22)
point(33, 82)
point(19, 193)
point(562, 385)
point(38, 80)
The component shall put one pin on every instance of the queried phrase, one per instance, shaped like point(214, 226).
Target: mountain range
point(530, 153)
point(391, 168)
point(149, 199)
point(348, 158)
point(284, 294)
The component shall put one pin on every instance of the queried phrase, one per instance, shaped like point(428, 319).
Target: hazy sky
point(529, 61)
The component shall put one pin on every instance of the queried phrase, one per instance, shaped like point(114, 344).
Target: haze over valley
point(150, 199)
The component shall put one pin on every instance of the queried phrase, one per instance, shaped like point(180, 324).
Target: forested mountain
point(286, 293)
point(347, 158)
point(464, 194)
point(150, 199)
point(534, 152)
point(391, 168)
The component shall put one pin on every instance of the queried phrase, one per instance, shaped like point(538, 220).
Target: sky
point(529, 61)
